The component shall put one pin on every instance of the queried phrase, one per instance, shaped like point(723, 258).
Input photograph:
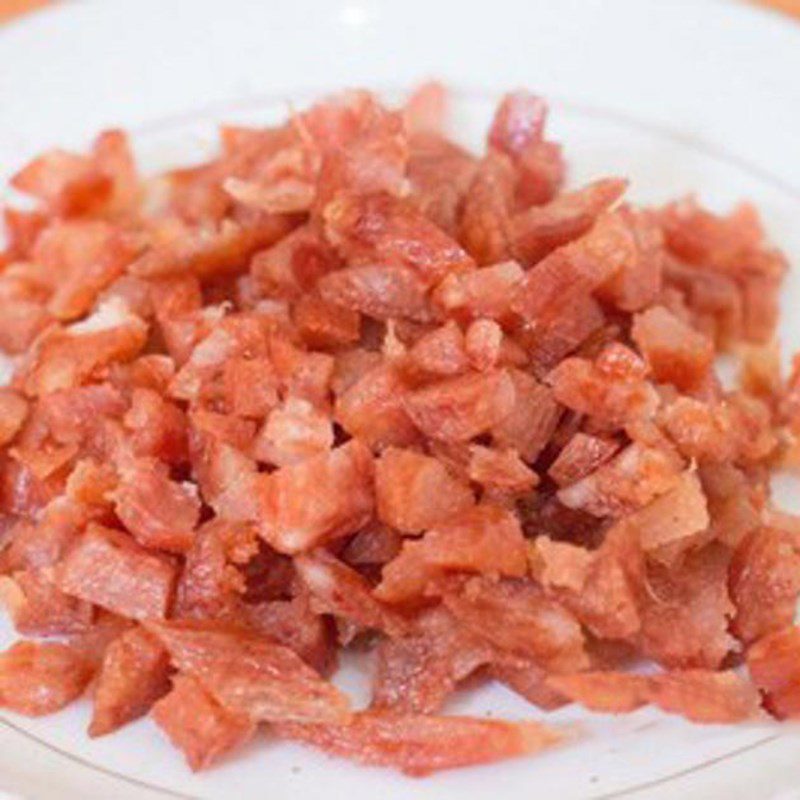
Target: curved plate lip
point(722, 69)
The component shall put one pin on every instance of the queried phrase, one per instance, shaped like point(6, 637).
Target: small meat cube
point(483, 539)
point(582, 455)
point(107, 568)
point(417, 672)
point(66, 357)
point(133, 675)
point(486, 210)
point(325, 324)
point(380, 291)
point(415, 492)
point(424, 110)
point(629, 481)
point(39, 608)
point(64, 182)
point(461, 408)
point(532, 419)
point(251, 386)
point(516, 617)
point(13, 410)
point(541, 229)
point(612, 399)
point(373, 410)
point(676, 353)
point(442, 351)
point(486, 292)
point(158, 512)
point(198, 725)
point(604, 692)
point(88, 256)
point(440, 173)
point(639, 280)
point(293, 432)
point(250, 674)
point(774, 664)
point(382, 229)
point(670, 524)
point(327, 496)
point(764, 580)
point(518, 121)
point(704, 696)
point(500, 470)
point(560, 565)
point(483, 343)
point(226, 477)
point(295, 625)
point(207, 251)
point(209, 586)
point(340, 590)
point(686, 617)
point(159, 428)
point(38, 678)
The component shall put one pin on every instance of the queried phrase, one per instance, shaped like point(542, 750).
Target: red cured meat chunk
point(704, 696)
point(295, 625)
point(687, 626)
point(612, 399)
point(87, 257)
point(249, 674)
point(133, 675)
point(699, 695)
point(158, 512)
point(541, 229)
point(517, 618)
point(486, 214)
point(501, 470)
point(425, 109)
point(337, 589)
point(13, 410)
point(380, 228)
point(764, 581)
point(774, 664)
point(676, 353)
point(532, 419)
point(418, 671)
point(582, 455)
point(372, 409)
point(629, 481)
point(107, 568)
point(414, 491)
point(198, 725)
point(39, 678)
point(292, 433)
point(440, 173)
point(606, 692)
point(419, 745)
point(441, 352)
point(324, 497)
point(209, 586)
point(39, 608)
point(65, 182)
point(381, 291)
point(461, 408)
point(484, 539)
point(486, 292)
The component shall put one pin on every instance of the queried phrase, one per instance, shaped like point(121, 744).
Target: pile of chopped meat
point(349, 385)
